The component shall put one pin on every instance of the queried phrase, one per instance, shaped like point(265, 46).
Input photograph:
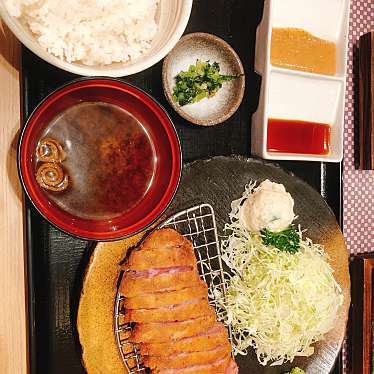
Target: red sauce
point(290, 136)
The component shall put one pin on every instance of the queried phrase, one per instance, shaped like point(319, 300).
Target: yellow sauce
point(297, 49)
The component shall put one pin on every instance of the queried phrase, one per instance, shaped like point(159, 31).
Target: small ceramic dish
point(202, 46)
point(117, 150)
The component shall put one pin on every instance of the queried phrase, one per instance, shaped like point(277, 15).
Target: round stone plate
point(218, 181)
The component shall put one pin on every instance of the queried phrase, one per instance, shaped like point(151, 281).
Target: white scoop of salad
point(270, 207)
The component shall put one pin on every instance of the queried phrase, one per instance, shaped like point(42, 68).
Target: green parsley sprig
point(287, 240)
point(201, 80)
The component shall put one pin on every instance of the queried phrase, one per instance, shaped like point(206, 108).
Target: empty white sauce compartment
point(297, 95)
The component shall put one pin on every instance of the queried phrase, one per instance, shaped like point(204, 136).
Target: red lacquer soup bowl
point(118, 155)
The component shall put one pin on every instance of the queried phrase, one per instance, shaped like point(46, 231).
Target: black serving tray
point(56, 261)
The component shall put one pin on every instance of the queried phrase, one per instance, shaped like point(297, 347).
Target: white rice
point(94, 32)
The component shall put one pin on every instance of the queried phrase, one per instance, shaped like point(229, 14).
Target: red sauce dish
point(120, 155)
point(300, 137)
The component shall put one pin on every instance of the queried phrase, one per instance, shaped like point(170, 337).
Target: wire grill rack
point(198, 224)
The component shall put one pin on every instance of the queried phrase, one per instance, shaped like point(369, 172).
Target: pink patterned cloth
point(358, 185)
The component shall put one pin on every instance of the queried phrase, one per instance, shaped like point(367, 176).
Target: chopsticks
point(366, 101)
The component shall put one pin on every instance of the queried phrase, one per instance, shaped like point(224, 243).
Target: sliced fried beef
point(178, 256)
point(167, 249)
point(187, 359)
point(218, 367)
point(232, 368)
point(181, 312)
point(165, 298)
point(208, 339)
point(163, 239)
point(167, 281)
point(165, 332)
point(159, 299)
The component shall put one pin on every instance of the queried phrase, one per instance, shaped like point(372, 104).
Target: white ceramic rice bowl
point(172, 18)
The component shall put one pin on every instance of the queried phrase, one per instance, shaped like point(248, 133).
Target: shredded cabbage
point(277, 302)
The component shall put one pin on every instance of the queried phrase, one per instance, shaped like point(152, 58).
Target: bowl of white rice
point(98, 37)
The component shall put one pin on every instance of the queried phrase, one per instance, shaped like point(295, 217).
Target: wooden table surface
point(13, 332)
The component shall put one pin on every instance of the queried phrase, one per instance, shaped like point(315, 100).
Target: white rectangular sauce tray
point(296, 95)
